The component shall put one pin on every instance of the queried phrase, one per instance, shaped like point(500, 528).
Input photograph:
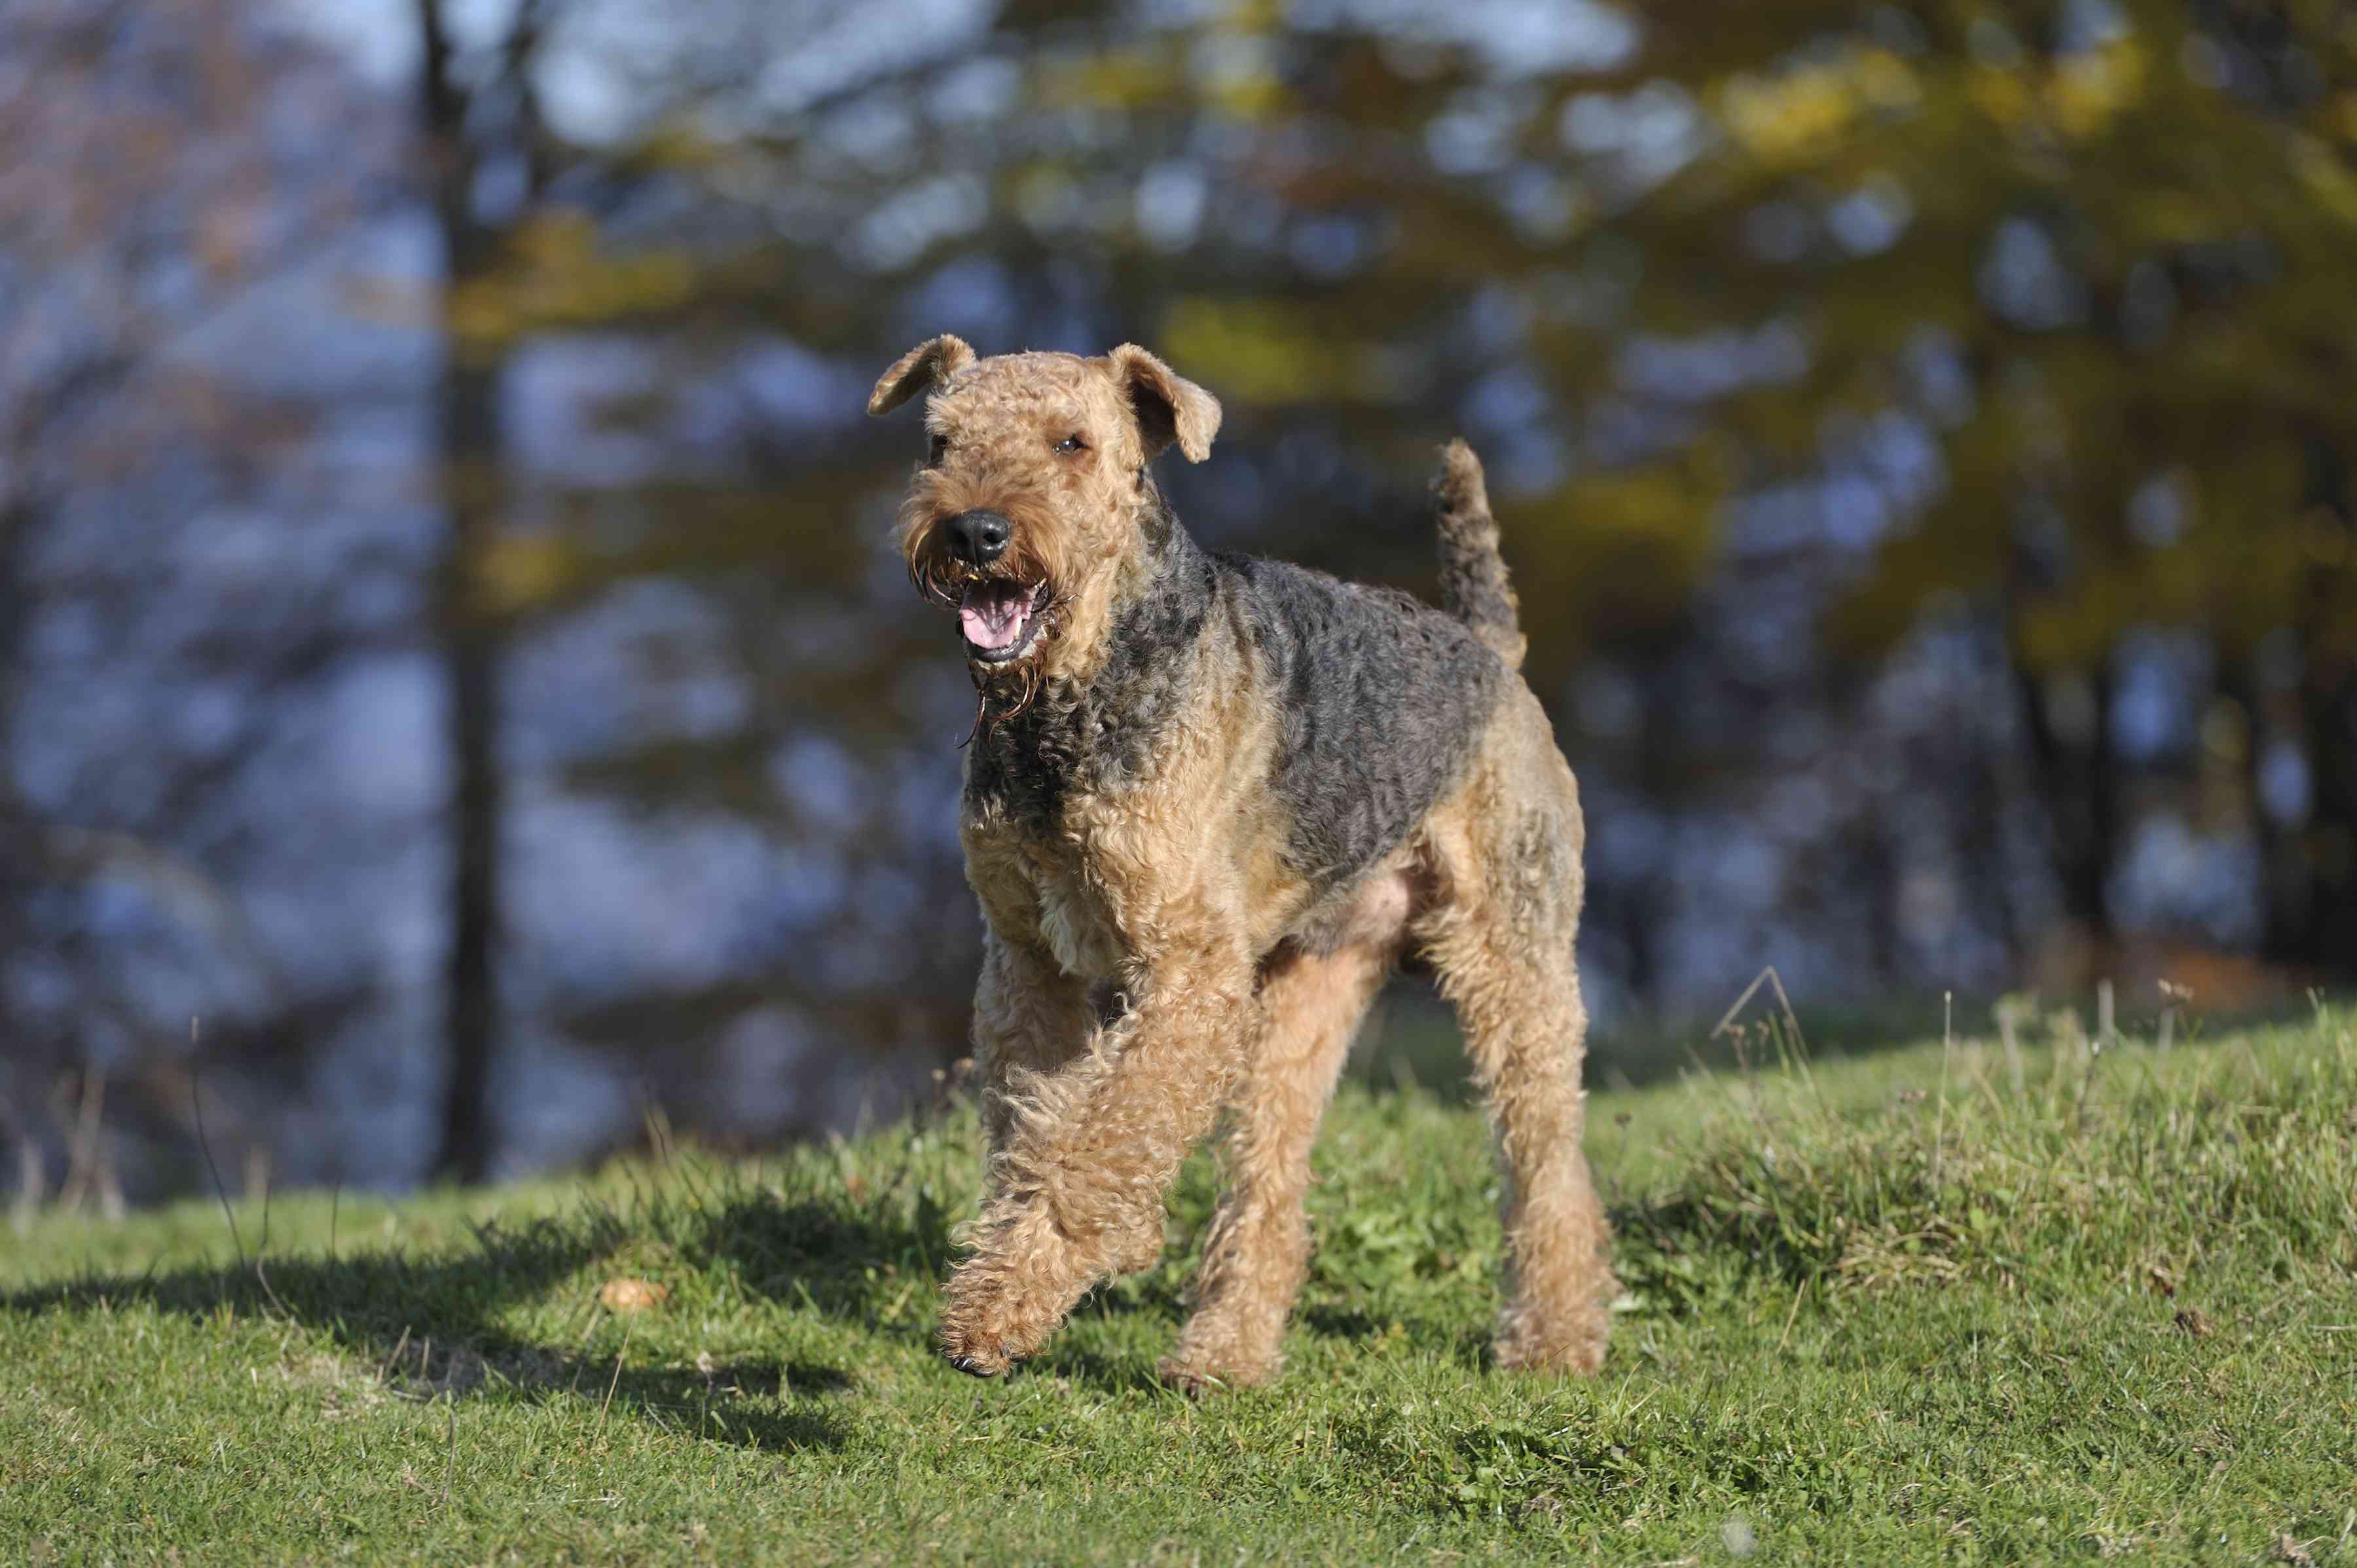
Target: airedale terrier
point(1210, 802)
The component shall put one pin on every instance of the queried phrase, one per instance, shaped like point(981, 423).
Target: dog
point(1210, 803)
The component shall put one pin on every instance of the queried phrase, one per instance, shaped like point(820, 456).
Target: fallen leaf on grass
point(2194, 1321)
point(633, 1295)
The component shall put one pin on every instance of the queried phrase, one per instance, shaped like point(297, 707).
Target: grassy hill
point(1932, 1304)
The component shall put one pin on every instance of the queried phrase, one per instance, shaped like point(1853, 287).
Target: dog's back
point(1382, 698)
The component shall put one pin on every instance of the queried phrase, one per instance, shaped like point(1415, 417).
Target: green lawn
point(2109, 1310)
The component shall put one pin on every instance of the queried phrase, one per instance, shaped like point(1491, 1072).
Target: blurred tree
point(136, 227)
point(1797, 336)
point(481, 129)
point(2101, 252)
point(2040, 307)
point(547, 265)
point(19, 868)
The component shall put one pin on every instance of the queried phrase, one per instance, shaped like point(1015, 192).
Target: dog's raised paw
point(977, 1362)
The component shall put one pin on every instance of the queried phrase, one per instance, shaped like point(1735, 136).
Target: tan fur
point(1501, 928)
point(1075, 515)
point(1472, 576)
point(1155, 958)
point(1258, 1250)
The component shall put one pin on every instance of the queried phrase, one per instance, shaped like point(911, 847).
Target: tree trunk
point(2330, 939)
point(2081, 784)
point(466, 420)
point(470, 644)
point(16, 832)
point(1995, 786)
point(2327, 701)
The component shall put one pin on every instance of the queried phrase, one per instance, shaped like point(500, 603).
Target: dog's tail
point(1473, 584)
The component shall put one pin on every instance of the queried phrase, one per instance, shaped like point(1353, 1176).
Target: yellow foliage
point(1250, 17)
point(1254, 95)
point(1250, 92)
point(681, 144)
point(1131, 81)
point(553, 274)
point(515, 573)
point(1779, 120)
point(1664, 508)
point(1886, 82)
point(1264, 351)
point(1124, 80)
point(2177, 217)
point(1999, 95)
point(2089, 89)
point(1616, 546)
point(1786, 117)
point(2072, 633)
point(2326, 176)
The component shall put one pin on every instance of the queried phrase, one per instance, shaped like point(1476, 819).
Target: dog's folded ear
point(1168, 406)
point(921, 370)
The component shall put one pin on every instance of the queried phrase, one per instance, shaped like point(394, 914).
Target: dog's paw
point(974, 1351)
point(975, 1366)
point(1572, 1352)
point(1193, 1381)
point(974, 1355)
point(1194, 1373)
point(977, 1361)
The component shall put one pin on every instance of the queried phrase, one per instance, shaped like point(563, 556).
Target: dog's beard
point(1009, 611)
point(1004, 609)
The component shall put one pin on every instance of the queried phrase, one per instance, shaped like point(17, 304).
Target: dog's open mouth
point(1000, 618)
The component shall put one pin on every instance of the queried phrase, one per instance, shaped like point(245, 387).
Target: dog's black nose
point(977, 538)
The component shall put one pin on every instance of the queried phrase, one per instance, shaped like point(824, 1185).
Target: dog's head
point(1032, 497)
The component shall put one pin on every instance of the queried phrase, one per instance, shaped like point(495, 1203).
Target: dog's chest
point(1076, 921)
point(1032, 792)
point(1025, 772)
point(1038, 784)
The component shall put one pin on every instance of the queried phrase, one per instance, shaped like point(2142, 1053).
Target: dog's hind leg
point(1500, 929)
point(1258, 1249)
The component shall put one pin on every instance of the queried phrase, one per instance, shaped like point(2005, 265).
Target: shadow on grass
point(1464, 1347)
point(879, 1271)
point(852, 1267)
point(1095, 1372)
point(429, 1326)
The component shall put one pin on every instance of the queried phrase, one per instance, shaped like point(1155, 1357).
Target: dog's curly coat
point(1209, 803)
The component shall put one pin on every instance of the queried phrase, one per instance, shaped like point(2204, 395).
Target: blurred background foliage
point(454, 655)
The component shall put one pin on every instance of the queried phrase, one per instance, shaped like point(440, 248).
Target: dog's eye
point(937, 451)
point(1072, 444)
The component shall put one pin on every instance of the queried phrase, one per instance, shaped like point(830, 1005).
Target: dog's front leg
point(1030, 1017)
point(1090, 1147)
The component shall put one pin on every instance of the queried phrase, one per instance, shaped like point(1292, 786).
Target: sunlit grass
point(1879, 1310)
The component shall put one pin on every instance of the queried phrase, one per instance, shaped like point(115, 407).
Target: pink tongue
point(993, 616)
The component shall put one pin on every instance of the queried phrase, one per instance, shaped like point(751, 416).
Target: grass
point(2111, 1310)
